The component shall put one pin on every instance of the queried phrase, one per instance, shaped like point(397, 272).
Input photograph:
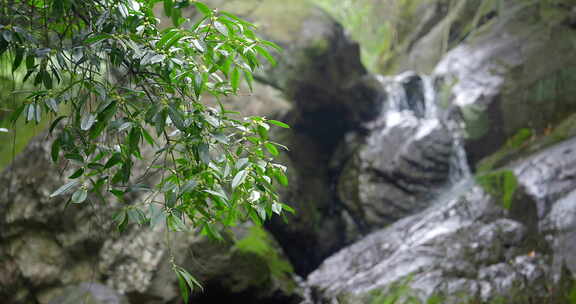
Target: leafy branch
point(124, 94)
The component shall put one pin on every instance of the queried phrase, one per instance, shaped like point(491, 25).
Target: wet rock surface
point(463, 245)
point(404, 159)
point(512, 76)
point(468, 245)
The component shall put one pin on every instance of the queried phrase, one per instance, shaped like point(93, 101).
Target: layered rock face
point(378, 170)
point(467, 245)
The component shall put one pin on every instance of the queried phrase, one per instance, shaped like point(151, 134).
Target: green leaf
point(175, 223)
point(288, 208)
point(170, 199)
point(77, 173)
point(174, 40)
point(262, 131)
point(18, 59)
point(55, 150)
point(149, 139)
point(218, 194)
point(221, 138)
point(157, 58)
point(281, 177)
point(241, 163)
point(30, 112)
point(190, 280)
point(115, 159)
point(262, 51)
point(79, 196)
point(97, 38)
point(235, 18)
point(190, 185)
point(46, 79)
point(239, 178)
point(272, 45)
point(74, 156)
point(176, 117)
point(249, 79)
point(204, 152)
point(277, 208)
point(55, 123)
point(134, 141)
point(197, 45)
point(209, 230)
point(157, 215)
point(184, 289)
point(137, 216)
point(87, 121)
point(261, 212)
point(65, 189)
point(235, 79)
point(203, 8)
point(278, 123)
point(221, 28)
point(7, 35)
point(165, 37)
point(271, 148)
point(30, 62)
point(198, 84)
point(121, 220)
point(51, 104)
point(168, 5)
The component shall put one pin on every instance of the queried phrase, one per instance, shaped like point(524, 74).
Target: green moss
point(501, 184)
point(526, 142)
point(514, 145)
point(258, 242)
point(400, 293)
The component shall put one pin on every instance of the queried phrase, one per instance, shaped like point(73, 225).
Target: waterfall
point(412, 100)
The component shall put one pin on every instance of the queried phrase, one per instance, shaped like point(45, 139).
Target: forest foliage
point(121, 94)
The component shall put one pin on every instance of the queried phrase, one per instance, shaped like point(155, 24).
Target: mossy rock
point(527, 142)
point(248, 261)
point(261, 244)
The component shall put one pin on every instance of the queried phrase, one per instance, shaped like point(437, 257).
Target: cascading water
point(411, 158)
point(413, 99)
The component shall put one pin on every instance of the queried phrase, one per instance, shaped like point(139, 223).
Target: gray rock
point(547, 176)
point(89, 293)
point(547, 201)
point(494, 79)
point(459, 246)
point(560, 224)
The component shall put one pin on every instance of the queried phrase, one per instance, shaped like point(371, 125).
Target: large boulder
point(460, 246)
point(467, 245)
point(513, 74)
